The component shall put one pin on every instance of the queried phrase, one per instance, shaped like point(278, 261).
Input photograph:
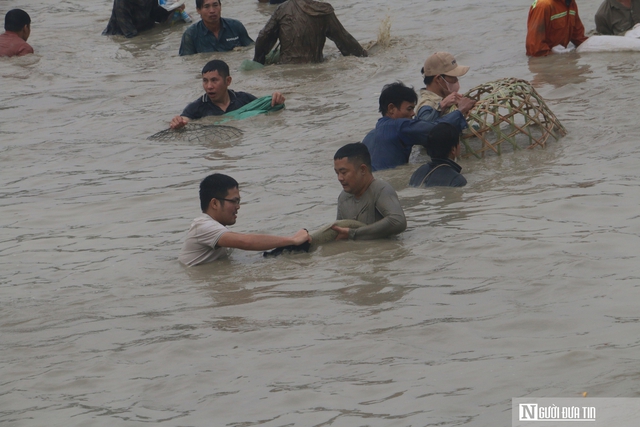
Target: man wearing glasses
point(441, 72)
point(208, 238)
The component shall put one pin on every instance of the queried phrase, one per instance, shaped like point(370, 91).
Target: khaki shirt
point(612, 18)
point(428, 98)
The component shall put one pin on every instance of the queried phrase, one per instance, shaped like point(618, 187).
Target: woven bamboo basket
point(508, 111)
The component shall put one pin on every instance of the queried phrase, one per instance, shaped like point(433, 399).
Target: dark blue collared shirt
point(197, 38)
point(438, 173)
point(391, 141)
point(203, 106)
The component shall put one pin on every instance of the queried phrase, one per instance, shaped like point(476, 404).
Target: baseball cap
point(443, 63)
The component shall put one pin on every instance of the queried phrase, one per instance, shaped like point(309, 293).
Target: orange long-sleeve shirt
point(552, 23)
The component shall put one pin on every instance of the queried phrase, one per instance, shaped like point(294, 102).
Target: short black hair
point(442, 138)
point(215, 186)
point(217, 65)
point(357, 153)
point(199, 3)
point(396, 93)
point(16, 19)
point(427, 79)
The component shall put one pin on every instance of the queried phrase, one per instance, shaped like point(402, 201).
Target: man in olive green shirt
point(615, 17)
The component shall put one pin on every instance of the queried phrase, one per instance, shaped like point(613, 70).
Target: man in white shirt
point(208, 238)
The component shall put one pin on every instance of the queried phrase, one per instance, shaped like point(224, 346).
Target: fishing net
point(508, 112)
point(204, 133)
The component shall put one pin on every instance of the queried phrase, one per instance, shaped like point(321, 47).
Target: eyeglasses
point(455, 79)
point(234, 201)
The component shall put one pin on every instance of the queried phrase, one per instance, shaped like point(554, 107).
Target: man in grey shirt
point(370, 201)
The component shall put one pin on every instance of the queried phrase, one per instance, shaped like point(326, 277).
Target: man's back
point(438, 173)
point(302, 27)
point(12, 45)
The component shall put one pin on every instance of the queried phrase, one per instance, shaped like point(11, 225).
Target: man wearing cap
point(552, 23)
point(615, 17)
point(441, 72)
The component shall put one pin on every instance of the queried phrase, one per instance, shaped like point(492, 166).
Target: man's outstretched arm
point(261, 242)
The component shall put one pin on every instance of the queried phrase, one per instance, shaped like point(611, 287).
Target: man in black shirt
point(218, 99)
point(442, 171)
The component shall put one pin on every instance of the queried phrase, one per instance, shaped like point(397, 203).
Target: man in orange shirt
point(13, 42)
point(552, 23)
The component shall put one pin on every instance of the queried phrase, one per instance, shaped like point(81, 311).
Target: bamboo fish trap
point(508, 111)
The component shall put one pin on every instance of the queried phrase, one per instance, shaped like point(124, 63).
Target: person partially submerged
point(129, 17)
point(17, 26)
point(218, 98)
point(396, 132)
point(213, 33)
point(302, 26)
point(442, 171)
point(368, 208)
point(209, 238)
point(364, 198)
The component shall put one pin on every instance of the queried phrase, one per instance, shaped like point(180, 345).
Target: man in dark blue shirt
point(213, 33)
point(396, 133)
point(218, 99)
point(442, 171)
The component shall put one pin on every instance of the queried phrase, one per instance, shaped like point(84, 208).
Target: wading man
point(209, 238)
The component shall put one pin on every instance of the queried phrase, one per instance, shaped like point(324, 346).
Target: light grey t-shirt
point(378, 207)
point(202, 238)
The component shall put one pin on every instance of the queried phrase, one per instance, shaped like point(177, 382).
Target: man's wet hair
point(442, 138)
point(16, 19)
point(427, 79)
point(357, 153)
point(396, 93)
point(217, 65)
point(215, 186)
point(199, 3)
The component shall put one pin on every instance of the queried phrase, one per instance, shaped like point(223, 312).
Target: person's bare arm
point(261, 242)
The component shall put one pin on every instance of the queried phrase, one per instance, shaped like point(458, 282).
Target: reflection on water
point(522, 283)
point(559, 70)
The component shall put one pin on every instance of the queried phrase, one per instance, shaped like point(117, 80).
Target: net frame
point(507, 102)
point(196, 132)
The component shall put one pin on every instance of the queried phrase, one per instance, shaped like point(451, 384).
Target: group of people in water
point(368, 208)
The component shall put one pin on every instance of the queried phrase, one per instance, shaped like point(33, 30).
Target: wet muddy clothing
point(11, 44)
point(198, 38)
point(378, 207)
point(552, 23)
point(303, 27)
point(438, 173)
point(203, 107)
point(129, 17)
point(612, 18)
